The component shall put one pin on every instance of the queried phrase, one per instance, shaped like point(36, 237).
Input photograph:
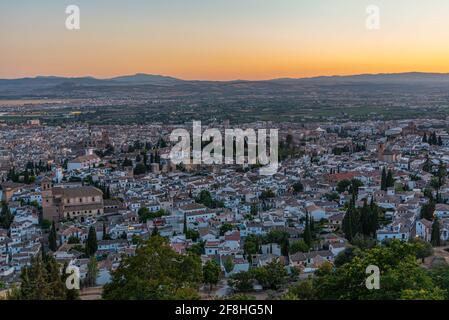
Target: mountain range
point(156, 86)
point(159, 80)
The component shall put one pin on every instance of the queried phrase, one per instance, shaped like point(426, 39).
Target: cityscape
point(94, 206)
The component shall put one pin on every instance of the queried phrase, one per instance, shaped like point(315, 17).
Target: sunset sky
point(222, 39)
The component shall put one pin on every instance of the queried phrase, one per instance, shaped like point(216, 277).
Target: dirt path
point(93, 293)
point(437, 252)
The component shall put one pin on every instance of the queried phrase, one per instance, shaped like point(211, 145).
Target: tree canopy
point(155, 272)
point(401, 277)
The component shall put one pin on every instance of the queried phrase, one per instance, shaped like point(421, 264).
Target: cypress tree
point(347, 223)
point(390, 179)
point(92, 273)
point(365, 219)
point(435, 236)
point(26, 177)
point(424, 138)
point(105, 233)
point(56, 286)
point(383, 180)
point(351, 221)
point(155, 232)
point(26, 290)
point(52, 243)
point(307, 235)
point(6, 217)
point(40, 286)
point(374, 218)
point(433, 138)
point(91, 242)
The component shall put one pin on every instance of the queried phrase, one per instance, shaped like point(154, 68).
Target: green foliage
point(401, 277)
point(242, 281)
point(271, 276)
point(428, 166)
point(127, 163)
point(91, 242)
point(363, 242)
point(346, 256)
point(302, 291)
point(45, 224)
point(251, 245)
point(254, 210)
point(423, 294)
point(136, 239)
point(228, 264)
point(355, 185)
point(440, 276)
point(343, 185)
point(6, 217)
point(155, 272)
point(211, 273)
point(332, 196)
point(52, 237)
point(364, 221)
point(267, 194)
point(192, 234)
point(197, 249)
point(299, 246)
point(435, 235)
point(390, 179)
point(73, 240)
point(307, 235)
point(225, 227)
point(423, 249)
point(43, 280)
point(279, 237)
point(383, 180)
point(145, 214)
point(139, 169)
point(206, 198)
point(427, 211)
point(92, 273)
point(298, 187)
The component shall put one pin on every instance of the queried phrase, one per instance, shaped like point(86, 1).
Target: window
point(81, 199)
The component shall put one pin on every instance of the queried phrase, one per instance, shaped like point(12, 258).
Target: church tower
point(48, 207)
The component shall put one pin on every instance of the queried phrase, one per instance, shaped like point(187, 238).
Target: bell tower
point(48, 207)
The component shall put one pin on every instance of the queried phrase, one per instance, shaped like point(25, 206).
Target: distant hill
point(44, 82)
point(143, 78)
point(381, 78)
point(53, 86)
point(49, 81)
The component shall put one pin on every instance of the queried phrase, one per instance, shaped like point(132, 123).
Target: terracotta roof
point(78, 192)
